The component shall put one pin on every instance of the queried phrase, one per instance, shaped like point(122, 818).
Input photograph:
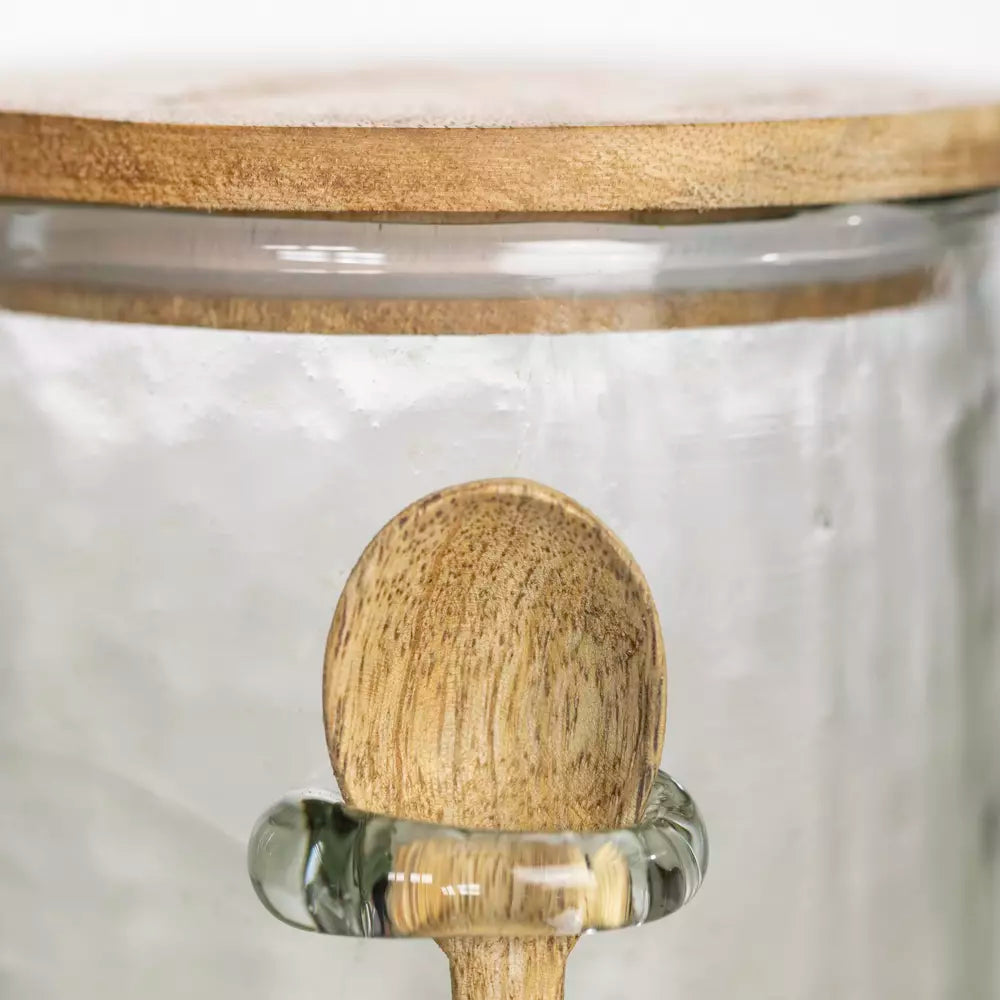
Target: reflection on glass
point(320, 865)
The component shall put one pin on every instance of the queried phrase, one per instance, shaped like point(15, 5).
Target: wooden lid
point(487, 140)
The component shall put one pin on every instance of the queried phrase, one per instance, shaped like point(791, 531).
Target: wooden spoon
point(495, 661)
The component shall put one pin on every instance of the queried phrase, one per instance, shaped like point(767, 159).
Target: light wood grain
point(564, 169)
point(495, 661)
point(671, 311)
point(521, 889)
point(477, 94)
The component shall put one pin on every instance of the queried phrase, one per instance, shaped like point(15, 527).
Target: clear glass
point(321, 866)
point(179, 252)
point(815, 502)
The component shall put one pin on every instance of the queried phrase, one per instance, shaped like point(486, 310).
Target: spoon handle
point(507, 968)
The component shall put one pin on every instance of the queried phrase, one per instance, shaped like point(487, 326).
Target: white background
point(959, 38)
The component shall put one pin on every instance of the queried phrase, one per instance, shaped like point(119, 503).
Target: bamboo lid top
point(418, 139)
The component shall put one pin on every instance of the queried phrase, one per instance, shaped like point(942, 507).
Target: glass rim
point(347, 275)
point(182, 251)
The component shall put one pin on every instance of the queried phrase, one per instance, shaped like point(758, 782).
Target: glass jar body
point(813, 494)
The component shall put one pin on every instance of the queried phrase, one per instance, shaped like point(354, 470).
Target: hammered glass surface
point(814, 503)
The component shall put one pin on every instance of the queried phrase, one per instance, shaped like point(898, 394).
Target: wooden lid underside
point(411, 141)
point(735, 307)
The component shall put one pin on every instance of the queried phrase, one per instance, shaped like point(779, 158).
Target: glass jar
point(751, 324)
point(789, 417)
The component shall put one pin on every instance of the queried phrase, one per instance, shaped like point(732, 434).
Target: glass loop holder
point(320, 865)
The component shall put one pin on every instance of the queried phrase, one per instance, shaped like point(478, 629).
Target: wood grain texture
point(565, 169)
point(507, 968)
point(526, 889)
point(679, 310)
point(476, 94)
point(495, 661)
